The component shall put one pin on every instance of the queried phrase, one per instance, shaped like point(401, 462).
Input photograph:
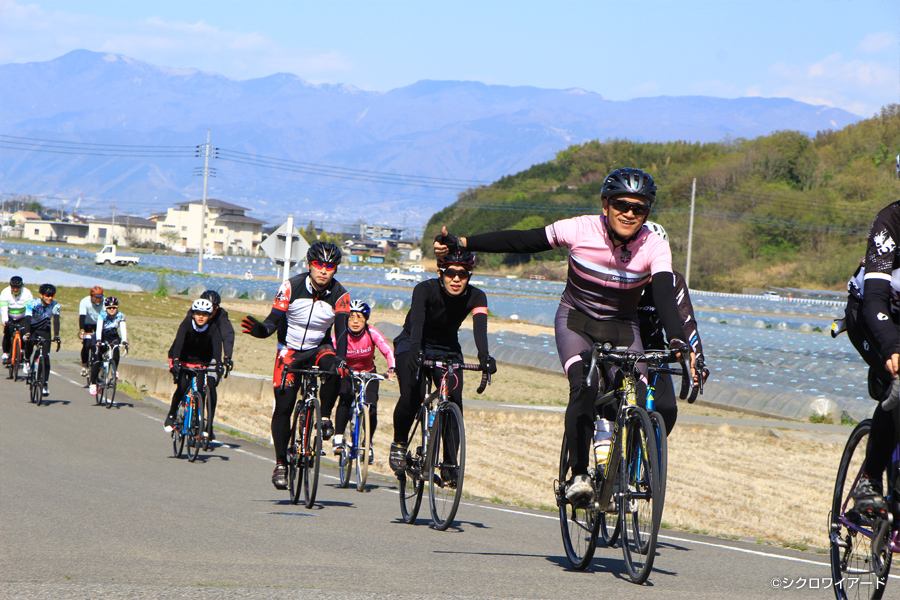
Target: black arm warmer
point(479, 330)
point(56, 326)
point(81, 322)
point(663, 285)
point(340, 334)
point(519, 241)
point(877, 301)
point(273, 320)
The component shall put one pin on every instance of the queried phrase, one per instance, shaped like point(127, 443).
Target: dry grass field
point(723, 481)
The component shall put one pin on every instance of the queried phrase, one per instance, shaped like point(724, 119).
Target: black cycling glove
point(488, 364)
point(254, 327)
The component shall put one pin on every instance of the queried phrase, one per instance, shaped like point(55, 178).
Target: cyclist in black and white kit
point(431, 331)
point(612, 258)
point(872, 317)
point(306, 308)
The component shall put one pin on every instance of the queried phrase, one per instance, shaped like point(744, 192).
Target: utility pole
point(687, 270)
point(112, 229)
point(288, 239)
point(203, 210)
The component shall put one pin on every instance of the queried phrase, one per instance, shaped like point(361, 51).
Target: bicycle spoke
point(578, 525)
point(447, 463)
point(640, 508)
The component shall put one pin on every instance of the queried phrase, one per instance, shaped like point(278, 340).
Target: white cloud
point(876, 42)
point(29, 33)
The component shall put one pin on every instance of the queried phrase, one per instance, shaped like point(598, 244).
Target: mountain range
point(320, 151)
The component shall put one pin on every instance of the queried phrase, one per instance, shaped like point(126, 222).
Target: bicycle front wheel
point(412, 478)
point(294, 460)
point(37, 380)
point(578, 524)
point(194, 430)
point(101, 385)
point(205, 425)
point(111, 383)
point(177, 432)
point(446, 464)
point(312, 451)
point(363, 446)
point(662, 450)
point(14, 359)
point(345, 458)
point(852, 534)
point(640, 509)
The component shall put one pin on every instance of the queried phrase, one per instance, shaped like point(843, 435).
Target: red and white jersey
point(605, 281)
point(309, 314)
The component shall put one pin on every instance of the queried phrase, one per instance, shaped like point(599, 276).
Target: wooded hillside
point(781, 210)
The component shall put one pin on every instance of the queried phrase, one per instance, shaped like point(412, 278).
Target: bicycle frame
point(17, 350)
point(361, 380)
point(189, 407)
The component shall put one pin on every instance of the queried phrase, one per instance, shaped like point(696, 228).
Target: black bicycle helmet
point(47, 289)
point(324, 252)
point(632, 182)
point(462, 258)
point(16, 281)
point(111, 301)
point(213, 296)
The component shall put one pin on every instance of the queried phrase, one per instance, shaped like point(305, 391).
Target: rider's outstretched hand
point(254, 327)
point(488, 364)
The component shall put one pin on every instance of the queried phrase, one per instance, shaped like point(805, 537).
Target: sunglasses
point(322, 265)
point(623, 206)
point(454, 273)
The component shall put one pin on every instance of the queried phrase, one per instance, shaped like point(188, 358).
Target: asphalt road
point(92, 505)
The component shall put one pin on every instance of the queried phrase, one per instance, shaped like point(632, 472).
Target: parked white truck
point(109, 256)
point(396, 274)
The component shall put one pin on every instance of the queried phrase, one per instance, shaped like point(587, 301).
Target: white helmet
point(202, 305)
point(657, 229)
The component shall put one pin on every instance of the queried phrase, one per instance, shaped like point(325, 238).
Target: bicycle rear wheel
point(851, 533)
point(363, 445)
point(641, 506)
point(412, 478)
point(578, 525)
point(177, 432)
point(194, 428)
point(312, 451)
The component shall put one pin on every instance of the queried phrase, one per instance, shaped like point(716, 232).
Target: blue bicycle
point(358, 444)
point(191, 422)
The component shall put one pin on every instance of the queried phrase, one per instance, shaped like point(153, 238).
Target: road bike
point(436, 447)
point(862, 544)
point(191, 422)
point(108, 375)
point(92, 356)
point(358, 443)
point(304, 450)
point(17, 352)
point(629, 488)
point(37, 376)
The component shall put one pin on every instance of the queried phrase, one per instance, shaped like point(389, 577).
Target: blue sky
point(832, 52)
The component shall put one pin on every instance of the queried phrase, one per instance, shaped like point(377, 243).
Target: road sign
point(274, 245)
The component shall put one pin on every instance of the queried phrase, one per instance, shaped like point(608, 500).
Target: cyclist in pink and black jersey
point(612, 258)
point(362, 340)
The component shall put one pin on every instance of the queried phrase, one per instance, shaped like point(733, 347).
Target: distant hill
point(456, 130)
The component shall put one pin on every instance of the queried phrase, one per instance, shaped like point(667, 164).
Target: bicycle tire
point(112, 382)
point(37, 378)
point(294, 472)
point(578, 525)
point(345, 461)
point(850, 539)
point(205, 425)
point(177, 434)
point(312, 452)
point(15, 358)
point(446, 465)
point(101, 384)
point(32, 388)
point(411, 479)
point(640, 507)
point(194, 430)
point(363, 445)
point(662, 449)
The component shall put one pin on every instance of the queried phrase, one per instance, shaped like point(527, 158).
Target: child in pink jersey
point(361, 343)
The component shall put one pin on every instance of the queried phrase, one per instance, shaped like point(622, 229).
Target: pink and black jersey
point(606, 281)
point(361, 349)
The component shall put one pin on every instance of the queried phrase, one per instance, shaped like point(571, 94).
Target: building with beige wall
point(227, 227)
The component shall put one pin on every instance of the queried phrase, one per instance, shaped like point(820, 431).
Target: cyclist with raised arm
point(111, 331)
point(652, 336)
point(220, 321)
point(40, 315)
point(612, 258)
point(89, 311)
point(12, 310)
point(872, 318)
point(197, 343)
point(362, 339)
point(431, 331)
point(306, 308)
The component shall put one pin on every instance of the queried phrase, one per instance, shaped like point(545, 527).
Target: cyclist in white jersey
point(612, 258)
point(13, 301)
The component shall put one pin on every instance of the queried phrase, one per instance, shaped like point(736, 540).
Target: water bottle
point(602, 440)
